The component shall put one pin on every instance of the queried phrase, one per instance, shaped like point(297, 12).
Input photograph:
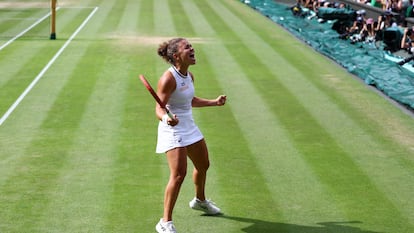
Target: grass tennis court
point(301, 145)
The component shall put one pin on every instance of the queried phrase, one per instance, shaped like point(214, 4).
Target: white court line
point(40, 75)
point(26, 30)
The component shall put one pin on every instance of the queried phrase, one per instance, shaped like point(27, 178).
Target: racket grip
point(170, 115)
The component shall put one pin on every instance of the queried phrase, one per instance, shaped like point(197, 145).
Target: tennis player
point(179, 137)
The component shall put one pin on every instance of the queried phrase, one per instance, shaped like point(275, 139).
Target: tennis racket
point(151, 90)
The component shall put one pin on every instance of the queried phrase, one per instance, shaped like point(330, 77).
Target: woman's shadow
point(259, 226)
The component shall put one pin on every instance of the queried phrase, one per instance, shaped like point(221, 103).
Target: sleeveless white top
point(186, 131)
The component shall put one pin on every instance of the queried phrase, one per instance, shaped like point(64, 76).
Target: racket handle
point(169, 114)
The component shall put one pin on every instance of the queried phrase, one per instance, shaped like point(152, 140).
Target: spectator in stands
point(395, 6)
point(368, 33)
point(341, 5)
point(406, 11)
point(407, 41)
point(378, 3)
point(361, 13)
point(309, 4)
point(368, 2)
point(384, 21)
point(409, 12)
point(355, 30)
point(319, 3)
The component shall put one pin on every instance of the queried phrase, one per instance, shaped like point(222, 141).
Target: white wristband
point(165, 118)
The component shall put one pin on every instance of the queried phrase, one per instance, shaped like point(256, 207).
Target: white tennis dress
point(186, 131)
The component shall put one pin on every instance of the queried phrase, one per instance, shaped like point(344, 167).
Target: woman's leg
point(198, 153)
point(177, 162)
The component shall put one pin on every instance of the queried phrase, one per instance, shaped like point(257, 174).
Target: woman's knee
point(198, 153)
point(178, 177)
point(206, 165)
point(202, 167)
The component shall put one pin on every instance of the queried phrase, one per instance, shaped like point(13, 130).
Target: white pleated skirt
point(183, 134)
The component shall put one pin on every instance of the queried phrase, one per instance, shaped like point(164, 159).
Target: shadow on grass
point(259, 226)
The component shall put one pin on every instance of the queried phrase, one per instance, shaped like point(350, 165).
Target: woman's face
point(185, 54)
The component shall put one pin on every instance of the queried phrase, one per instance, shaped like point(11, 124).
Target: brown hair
point(167, 49)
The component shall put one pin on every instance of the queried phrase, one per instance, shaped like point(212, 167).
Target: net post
point(53, 19)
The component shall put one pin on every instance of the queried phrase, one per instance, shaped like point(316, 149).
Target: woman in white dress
point(180, 137)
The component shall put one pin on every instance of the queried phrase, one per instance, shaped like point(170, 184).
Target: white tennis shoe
point(165, 227)
point(206, 206)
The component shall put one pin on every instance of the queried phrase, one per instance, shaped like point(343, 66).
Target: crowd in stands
point(390, 27)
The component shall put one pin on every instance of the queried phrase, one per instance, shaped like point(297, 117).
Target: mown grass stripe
point(181, 19)
point(38, 104)
point(44, 70)
point(164, 27)
point(12, 23)
point(111, 18)
point(128, 23)
point(14, 82)
point(288, 176)
point(364, 148)
point(304, 145)
point(69, 20)
point(297, 206)
point(137, 169)
point(281, 181)
point(62, 120)
point(251, 106)
point(9, 16)
point(36, 57)
point(89, 164)
point(86, 180)
point(146, 19)
point(231, 185)
point(237, 90)
point(342, 120)
point(25, 31)
point(48, 153)
point(163, 19)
